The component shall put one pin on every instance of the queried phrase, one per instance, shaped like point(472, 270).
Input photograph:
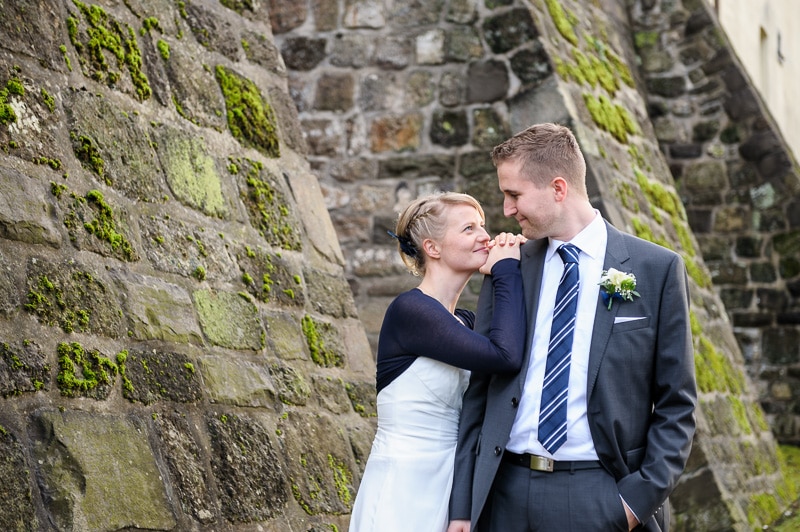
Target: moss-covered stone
point(250, 119)
point(71, 298)
point(362, 397)
point(17, 511)
point(268, 204)
point(329, 294)
point(292, 386)
point(229, 320)
point(93, 214)
point(611, 117)
point(23, 368)
point(191, 172)
point(269, 277)
point(246, 468)
point(84, 373)
point(320, 467)
point(191, 479)
point(105, 48)
point(154, 375)
point(323, 342)
point(99, 472)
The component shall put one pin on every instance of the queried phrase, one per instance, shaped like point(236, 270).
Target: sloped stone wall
point(179, 347)
point(740, 185)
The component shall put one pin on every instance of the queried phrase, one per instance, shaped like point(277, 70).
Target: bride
point(426, 350)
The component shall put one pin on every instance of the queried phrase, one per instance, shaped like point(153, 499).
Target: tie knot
point(569, 253)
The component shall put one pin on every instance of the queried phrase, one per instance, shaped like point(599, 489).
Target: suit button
point(498, 451)
point(514, 402)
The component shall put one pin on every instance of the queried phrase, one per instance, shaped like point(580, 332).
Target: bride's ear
point(431, 248)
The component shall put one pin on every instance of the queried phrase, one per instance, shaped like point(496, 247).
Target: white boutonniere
point(617, 285)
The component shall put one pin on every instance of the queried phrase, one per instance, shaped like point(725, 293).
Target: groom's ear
point(559, 186)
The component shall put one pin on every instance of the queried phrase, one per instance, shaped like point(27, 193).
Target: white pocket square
point(623, 319)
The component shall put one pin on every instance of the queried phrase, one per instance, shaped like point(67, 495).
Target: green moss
point(342, 478)
point(714, 371)
point(48, 302)
point(48, 100)
point(642, 230)
point(199, 273)
point(694, 324)
point(150, 23)
point(740, 414)
point(57, 189)
point(13, 87)
point(163, 49)
point(645, 39)
point(104, 226)
point(89, 155)
point(67, 61)
point(610, 117)
point(320, 354)
point(696, 273)
point(104, 35)
point(122, 358)
point(250, 119)
point(239, 5)
point(266, 205)
point(762, 508)
point(247, 278)
point(81, 372)
point(561, 21)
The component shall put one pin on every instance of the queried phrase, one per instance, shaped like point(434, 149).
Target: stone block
point(286, 16)
point(99, 472)
point(22, 200)
point(303, 53)
point(462, 43)
point(396, 133)
point(334, 92)
point(430, 47)
point(781, 345)
point(351, 51)
point(487, 81)
point(228, 319)
point(364, 14)
point(449, 128)
point(531, 65)
point(509, 29)
point(158, 310)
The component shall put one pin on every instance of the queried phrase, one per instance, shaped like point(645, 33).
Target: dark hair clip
point(406, 245)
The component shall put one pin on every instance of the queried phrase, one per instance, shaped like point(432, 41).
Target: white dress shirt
point(579, 446)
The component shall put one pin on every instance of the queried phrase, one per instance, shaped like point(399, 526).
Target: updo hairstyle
point(424, 218)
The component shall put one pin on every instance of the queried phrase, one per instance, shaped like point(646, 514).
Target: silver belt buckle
point(542, 463)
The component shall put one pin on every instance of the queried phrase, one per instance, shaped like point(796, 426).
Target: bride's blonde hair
point(425, 218)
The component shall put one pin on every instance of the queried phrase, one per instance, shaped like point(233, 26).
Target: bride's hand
point(504, 246)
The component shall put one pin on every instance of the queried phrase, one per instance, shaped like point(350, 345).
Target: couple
point(617, 380)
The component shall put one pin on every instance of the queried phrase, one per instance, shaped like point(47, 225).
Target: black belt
point(542, 463)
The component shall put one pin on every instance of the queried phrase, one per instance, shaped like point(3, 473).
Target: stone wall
point(740, 186)
point(397, 99)
point(179, 347)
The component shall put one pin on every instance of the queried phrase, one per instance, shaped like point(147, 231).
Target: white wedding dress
point(407, 481)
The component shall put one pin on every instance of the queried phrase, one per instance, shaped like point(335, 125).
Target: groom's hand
point(458, 525)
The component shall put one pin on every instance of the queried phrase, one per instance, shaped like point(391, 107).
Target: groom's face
point(533, 207)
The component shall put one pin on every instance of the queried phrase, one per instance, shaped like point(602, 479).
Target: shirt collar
point(591, 240)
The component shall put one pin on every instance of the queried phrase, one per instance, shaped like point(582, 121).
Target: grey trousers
point(523, 500)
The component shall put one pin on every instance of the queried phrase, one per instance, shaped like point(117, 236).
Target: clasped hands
point(503, 246)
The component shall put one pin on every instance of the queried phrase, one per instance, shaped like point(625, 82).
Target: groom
point(595, 430)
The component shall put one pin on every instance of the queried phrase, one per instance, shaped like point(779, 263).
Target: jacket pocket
point(631, 325)
point(634, 459)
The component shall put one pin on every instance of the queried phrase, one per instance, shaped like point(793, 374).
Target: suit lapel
point(532, 268)
point(616, 256)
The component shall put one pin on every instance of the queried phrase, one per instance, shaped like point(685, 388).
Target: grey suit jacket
point(641, 385)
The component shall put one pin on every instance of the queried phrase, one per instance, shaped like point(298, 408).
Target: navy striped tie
point(553, 411)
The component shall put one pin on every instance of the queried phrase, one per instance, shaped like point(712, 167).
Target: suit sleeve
point(674, 397)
